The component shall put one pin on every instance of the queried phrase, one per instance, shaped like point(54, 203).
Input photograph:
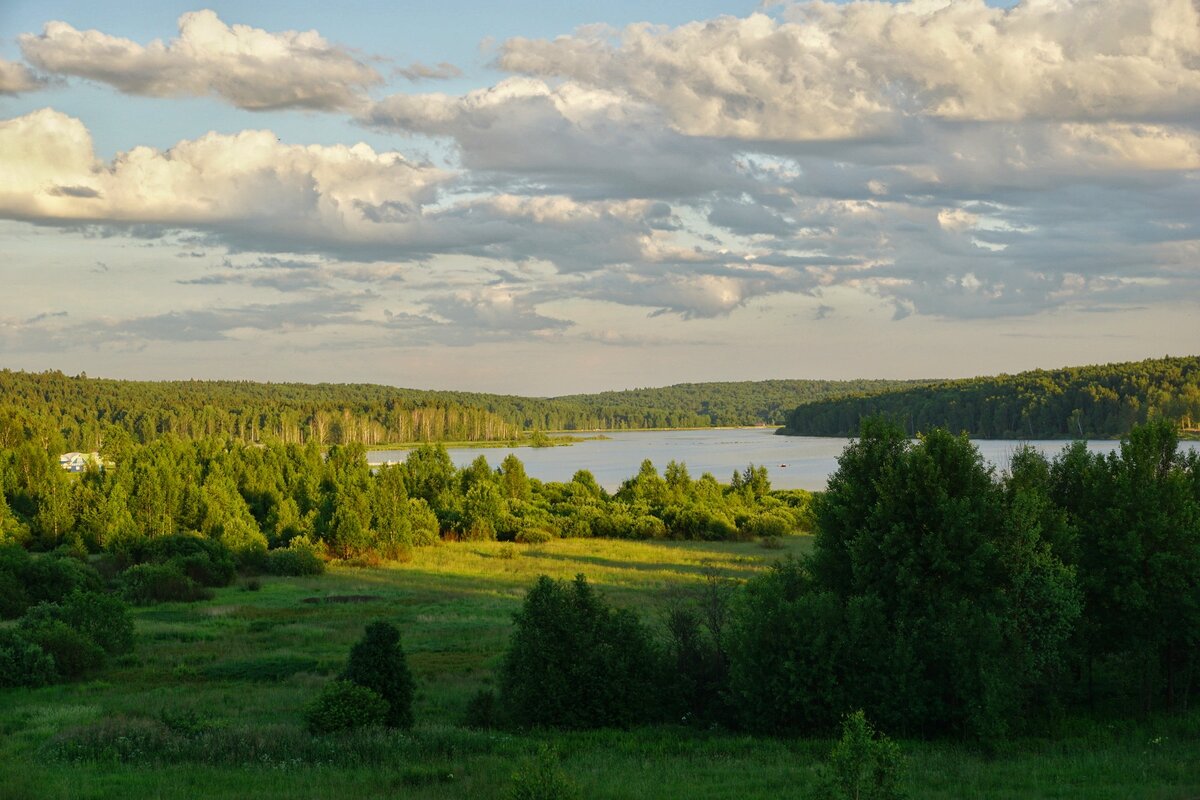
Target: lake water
point(793, 462)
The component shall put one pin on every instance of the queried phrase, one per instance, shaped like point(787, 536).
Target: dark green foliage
point(377, 662)
point(1138, 519)
point(13, 597)
point(102, 618)
point(160, 583)
point(1101, 400)
point(206, 561)
point(541, 777)
point(565, 650)
point(73, 652)
point(344, 705)
point(482, 711)
point(698, 670)
point(862, 766)
point(785, 640)
point(23, 662)
point(51, 578)
point(931, 599)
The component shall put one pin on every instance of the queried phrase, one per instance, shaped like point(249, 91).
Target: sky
point(546, 198)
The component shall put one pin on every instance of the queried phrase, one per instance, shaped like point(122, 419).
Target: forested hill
point(741, 403)
point(1103, 400)
point(64, 412)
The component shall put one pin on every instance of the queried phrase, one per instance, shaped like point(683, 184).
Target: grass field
point(210, 704)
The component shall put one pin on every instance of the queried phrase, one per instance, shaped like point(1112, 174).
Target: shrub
point(378, 663)
point(862, 765)
point(573, 662)
point(300, 557)
point(207, 561)
point(23, 663)
point(160, 583)
point(102, 618)
point(775, 523)
point(541, 778)
point(74, 653)
point(482, 713)
point(343, 705)
point(51, 578)
point(533, 535)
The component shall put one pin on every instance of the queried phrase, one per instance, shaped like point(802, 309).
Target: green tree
point(377, 662)
point(574, 662)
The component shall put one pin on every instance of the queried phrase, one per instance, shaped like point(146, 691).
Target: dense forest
point(252, 498)
point(1075, 402)
point(76, 412)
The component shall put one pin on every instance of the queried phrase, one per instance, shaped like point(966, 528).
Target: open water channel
point(793, 462)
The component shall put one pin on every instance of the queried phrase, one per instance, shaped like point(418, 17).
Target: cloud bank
point(248, 67)
point(937, 159)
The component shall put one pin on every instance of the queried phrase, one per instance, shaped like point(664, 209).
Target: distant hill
point(731, 404)
point(1103, 400)
point(76, 412)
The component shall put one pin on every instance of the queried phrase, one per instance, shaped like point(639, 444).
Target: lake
point(793, 462)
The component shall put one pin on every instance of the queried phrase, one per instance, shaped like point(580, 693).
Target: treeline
point(1077, 402)
point(729, 404)
point(251, 499)
point(940, 598)
point(73, 413)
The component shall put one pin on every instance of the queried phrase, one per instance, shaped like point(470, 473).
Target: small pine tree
point(377, 662)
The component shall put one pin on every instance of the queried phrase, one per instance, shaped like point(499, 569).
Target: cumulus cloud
point(566, 138)
point(249, 67)
point(17, 78)
point(857, 70)
point(242, 186)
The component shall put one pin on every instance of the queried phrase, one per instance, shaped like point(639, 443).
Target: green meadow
point(210, 703)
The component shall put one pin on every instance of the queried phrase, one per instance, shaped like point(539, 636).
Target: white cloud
point(249, 183)
point(17, 78)
point(858, 70)
point(248, 67)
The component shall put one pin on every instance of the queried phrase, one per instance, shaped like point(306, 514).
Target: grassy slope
point(454, 605)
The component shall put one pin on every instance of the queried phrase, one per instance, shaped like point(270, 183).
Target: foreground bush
point(862, 765)
point(541, 778)
point(573, 662)
point(377, 663)
point(343, 706)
